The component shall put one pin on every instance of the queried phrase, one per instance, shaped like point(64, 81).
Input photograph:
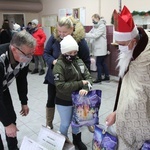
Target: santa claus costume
point(133, 96)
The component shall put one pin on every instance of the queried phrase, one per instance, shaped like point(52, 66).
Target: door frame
point(24, 19)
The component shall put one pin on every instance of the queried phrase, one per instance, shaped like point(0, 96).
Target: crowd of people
point(35, 29)
point(67, 51)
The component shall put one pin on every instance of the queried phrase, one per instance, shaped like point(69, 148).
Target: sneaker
point(106, 79)
point(41, 72)
point(29, 70)
point(34, 71)
point(97, 81)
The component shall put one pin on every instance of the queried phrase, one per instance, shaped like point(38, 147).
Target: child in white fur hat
point(70, 74)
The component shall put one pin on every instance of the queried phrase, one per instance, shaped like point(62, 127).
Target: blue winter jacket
point(52, 52)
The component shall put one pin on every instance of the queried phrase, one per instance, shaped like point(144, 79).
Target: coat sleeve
point(22, 85)
point(84, 53)
point(87, 76)
point(59, 78)
point(99, 32)
point(4, 117)
point(42, 36)
point(48, 51)
point(118, 93)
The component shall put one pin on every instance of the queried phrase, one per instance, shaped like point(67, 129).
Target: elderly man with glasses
point(14, 60)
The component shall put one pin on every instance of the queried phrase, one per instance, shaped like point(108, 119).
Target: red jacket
point(40, 37)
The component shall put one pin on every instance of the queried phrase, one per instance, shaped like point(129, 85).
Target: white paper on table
point(50, 139)
point(28, 144)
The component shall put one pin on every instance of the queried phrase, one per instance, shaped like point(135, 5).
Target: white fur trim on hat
point(125, 36)
point(35, 21)
point(68, 44)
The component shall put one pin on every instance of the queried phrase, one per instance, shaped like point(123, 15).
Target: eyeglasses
point(27, 55)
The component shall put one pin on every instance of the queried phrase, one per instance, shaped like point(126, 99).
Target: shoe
point(97, 81)
point(35, 71)
point(29, 70)
point(41, 72)
point(106, 79)
point(91, 128)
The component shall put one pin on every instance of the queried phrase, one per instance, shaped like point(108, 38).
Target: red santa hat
point(124, 27)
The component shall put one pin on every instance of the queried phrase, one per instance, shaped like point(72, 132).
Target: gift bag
point(86, 108)
point(146, 146)
point(104, 138)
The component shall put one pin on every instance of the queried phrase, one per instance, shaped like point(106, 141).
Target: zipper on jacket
point(76, 70)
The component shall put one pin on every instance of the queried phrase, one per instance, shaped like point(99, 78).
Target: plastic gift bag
point(146, 146)
point(86, 108)
point(104, 138)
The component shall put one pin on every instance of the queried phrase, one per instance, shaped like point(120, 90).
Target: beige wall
point(107, 6)
point(52, 7)
point(102, 7)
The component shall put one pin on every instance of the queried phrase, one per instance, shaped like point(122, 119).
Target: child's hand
point(55, 61)
point(83, 92)
point(85, 82)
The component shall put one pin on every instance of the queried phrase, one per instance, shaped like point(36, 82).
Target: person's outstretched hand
point(111, 118)
point(25, 110)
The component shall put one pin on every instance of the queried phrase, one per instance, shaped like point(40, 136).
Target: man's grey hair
point(23, 38)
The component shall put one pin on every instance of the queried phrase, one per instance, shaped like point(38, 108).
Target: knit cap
point(35, 21)
point(68, 44)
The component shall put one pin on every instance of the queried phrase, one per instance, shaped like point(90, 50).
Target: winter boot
point(41, 72)
point(50, 116)
point(97, 80)
point(35, 71)
point(107, 78)
point(78, 142)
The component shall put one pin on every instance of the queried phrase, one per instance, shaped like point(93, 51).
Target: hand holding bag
point(86, 108)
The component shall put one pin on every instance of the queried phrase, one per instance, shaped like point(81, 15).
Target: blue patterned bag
point(104, 138)
point(86, 108)
point(146, 146)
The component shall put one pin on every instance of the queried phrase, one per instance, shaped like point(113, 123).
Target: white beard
point(124, 59)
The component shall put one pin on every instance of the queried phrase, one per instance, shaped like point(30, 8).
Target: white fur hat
point(68, 44)
point(35, 21)
point(16, 27)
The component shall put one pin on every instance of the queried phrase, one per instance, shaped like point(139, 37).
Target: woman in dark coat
point(5, 34)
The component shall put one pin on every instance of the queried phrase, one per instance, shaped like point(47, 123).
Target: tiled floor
point(30, 125)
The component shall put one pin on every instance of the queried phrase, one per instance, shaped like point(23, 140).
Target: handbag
point(104, 138)
point(146, 146)
point(86, 108)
